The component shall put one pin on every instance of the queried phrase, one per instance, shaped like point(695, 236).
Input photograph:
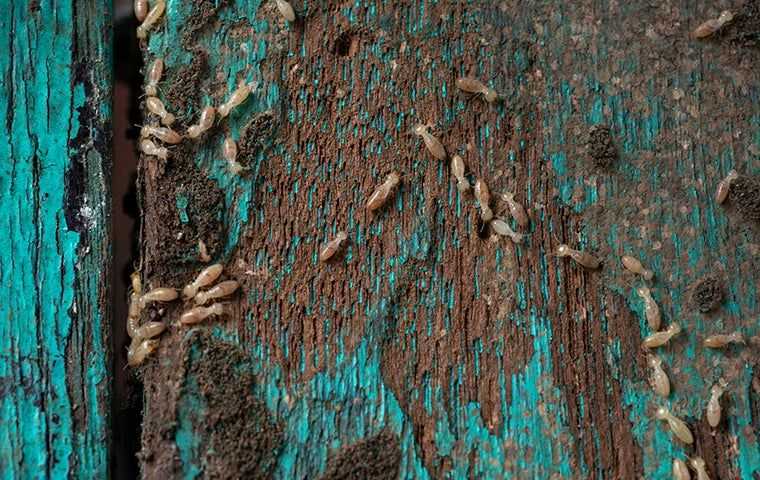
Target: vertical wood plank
point(473, 358)
point(55, 95)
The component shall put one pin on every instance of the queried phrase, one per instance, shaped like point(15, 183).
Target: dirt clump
point(745, 194)
point(601, 150)
point(256, 136)
point(183, 93)
point(185, 207)
point(744, 30)
point(243, 441)
point(204, 13)
point(374, 458)
point(707, 294)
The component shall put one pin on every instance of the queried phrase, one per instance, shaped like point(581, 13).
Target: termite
point(680, 470)
point(206, 277)
point(711, 26)
point(155, 71)
point(149, 148)
point(582, 258)
point(651, 310)
point(502, 228)
point(698, 464)
point(153, 16)
point(133, 314)
point(515, 209)
point(713, 405)
point(150, 330)
point(457, 169)
point(677, 426)
point(332, 247)
point(139, 352)
point(229, 152)
point(483, 195)
point(238, 96)
point(721, 193)
point(659, 339)
point(220, 290)
point(156, 107)
point(434, 146)
point(722, 339)
point(205, 122)
point(133, 317)
point(198, 314)
point(158, 295)
point(475, 86)
point(141, 9)
point(203, 252)
point(634, 265)
point(286, 10)
point(660, 381)
point(165, 134)
point(383, 192)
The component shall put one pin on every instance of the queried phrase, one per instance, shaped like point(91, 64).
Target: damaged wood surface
point(55, 154)
point(427, 349)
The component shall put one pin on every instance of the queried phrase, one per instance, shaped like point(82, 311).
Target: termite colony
point(204, 293)
point(200, 292)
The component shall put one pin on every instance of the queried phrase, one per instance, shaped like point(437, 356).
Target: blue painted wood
point(486, 360)
point(55, 94)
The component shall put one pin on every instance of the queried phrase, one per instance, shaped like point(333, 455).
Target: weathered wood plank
point(481, 359)
point(55, 92)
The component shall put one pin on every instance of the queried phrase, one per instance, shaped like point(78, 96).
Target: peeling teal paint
point(54, 363)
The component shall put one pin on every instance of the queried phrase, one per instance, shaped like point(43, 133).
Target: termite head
point(490, 95)
point(392, 179)
point(643, 291)
point(662, 413)
point(563, 250)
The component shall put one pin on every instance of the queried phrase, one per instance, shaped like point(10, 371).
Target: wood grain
point(485, 359)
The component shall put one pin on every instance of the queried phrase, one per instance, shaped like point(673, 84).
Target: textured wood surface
point(425, 351)
point(55, 94)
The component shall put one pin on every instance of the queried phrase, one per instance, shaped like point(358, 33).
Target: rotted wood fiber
point(483, 358)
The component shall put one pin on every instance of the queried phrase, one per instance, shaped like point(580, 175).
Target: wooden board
point(55, 151)
point(425, 351)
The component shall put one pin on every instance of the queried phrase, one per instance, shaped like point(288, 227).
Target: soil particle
point(744, 31)
point(184, 89)
point(707, 294)
point(204, 13)
point(255, 136)
point(243, 440)
point(601, 150)
point(186, 207)
point(745, 194)
point(374, 458)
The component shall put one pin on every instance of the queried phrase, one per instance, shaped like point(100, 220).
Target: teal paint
point(321, 414)
point(182, 203)
point(53, 337)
